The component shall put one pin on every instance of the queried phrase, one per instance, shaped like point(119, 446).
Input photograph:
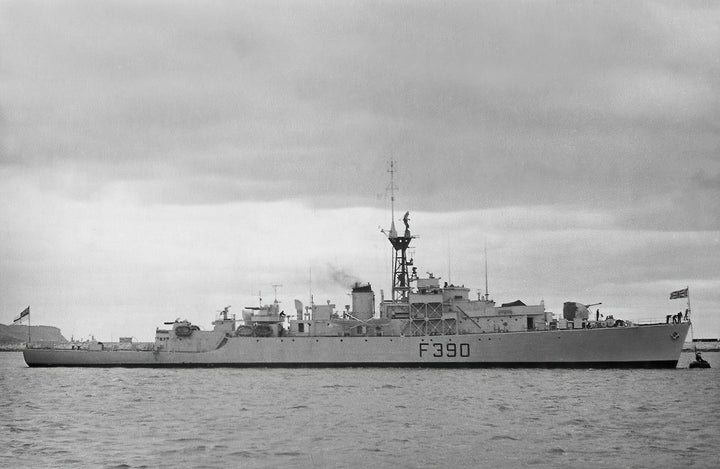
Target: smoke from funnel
point(342, 277)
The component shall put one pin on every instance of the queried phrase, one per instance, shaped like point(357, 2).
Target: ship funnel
point(299, 309)
point(363, 301)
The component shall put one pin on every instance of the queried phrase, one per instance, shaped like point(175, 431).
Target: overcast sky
point(166, 159)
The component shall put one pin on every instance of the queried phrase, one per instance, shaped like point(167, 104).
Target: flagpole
point(689, 313)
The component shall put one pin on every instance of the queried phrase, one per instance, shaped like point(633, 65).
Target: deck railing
point(648, 321)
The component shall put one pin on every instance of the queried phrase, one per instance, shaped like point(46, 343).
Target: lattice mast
point(400, 244)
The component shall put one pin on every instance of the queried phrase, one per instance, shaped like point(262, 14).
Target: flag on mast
point(25, 312)
point(679, 294)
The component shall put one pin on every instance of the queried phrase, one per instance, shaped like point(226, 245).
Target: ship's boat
point(183, 331)
point(263, 330)
point(244, 331)
point(424, 323)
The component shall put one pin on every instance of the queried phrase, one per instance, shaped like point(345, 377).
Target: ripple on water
point(332, 417)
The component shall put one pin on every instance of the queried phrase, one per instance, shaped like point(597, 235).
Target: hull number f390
point(440, 350)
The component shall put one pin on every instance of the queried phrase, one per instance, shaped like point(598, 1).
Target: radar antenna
point(400, 244)
point(392, 188)
point(275, 289)
point(487, 295)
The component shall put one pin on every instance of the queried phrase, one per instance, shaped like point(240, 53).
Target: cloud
point(146, 134)
point(588, 104)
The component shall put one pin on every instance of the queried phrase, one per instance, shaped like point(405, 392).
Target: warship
point(423, 324)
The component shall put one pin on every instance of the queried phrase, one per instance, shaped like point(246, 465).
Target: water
point(118, 418)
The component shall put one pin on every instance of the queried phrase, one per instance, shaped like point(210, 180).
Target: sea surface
point(358, 417)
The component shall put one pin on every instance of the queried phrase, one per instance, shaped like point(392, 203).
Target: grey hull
point(647, 346)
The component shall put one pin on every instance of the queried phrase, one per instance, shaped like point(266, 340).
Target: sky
point(165, 159)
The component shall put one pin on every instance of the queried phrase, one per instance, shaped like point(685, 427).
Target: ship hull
point(647, 346)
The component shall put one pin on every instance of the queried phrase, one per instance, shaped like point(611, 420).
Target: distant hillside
point(17, 334)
